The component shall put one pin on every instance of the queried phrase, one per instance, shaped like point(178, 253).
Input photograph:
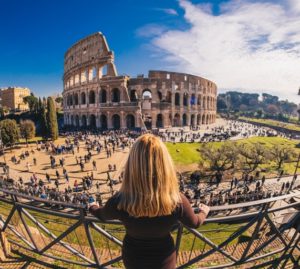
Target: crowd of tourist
point(245, 189)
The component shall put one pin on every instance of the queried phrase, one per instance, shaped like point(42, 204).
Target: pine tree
point(43, 122)
point(40, 105)
point(52, 119)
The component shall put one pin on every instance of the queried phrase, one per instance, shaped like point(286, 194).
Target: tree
point(220, 159)
point(272, 109)
point(3, 111)
point(40, 105)
point(282, 153)
point(27, 129)
point(52, 119)
point(9, 132)
point(43, 122)
point(32, 102)
point(252, 155)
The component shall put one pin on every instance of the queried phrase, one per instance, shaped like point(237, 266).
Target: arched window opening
point(92, 97)
point(103, 122)
point(76, 99)
point(176, 120)
point(116, 121)
point(185, 99)
point(115, 97)
point(169, 97)
point(177, 99)
point(76, 120)
point(92, 121)
point(147, 94)
point(184, 120)
point(103, 96)
point(159, 121)
point(83, 101)
point(130, 121)
point(83, 121)
point(133, 96)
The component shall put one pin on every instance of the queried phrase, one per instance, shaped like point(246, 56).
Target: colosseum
point(95, 96)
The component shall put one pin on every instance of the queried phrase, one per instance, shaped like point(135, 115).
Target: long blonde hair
point(150, 187)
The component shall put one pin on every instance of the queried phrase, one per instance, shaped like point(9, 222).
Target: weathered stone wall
point(95, 96)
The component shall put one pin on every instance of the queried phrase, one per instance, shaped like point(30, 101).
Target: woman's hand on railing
point(92, 202)
point(204, 208)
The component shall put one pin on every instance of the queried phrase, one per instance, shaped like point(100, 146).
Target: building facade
point(96, 96)
point(12, 98)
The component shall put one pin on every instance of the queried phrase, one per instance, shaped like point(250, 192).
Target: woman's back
point(149, 204)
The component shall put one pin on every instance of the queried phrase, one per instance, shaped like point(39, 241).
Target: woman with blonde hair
point(149, 204)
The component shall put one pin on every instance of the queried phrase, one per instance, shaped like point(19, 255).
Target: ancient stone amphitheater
point(96, 96)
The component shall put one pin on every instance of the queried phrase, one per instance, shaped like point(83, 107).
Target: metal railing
point(263, 233)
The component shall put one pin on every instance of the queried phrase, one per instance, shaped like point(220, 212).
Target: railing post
point(5, 248)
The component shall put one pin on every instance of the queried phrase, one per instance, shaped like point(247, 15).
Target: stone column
point(109, 121)
point(153, 119)
point(122, 119)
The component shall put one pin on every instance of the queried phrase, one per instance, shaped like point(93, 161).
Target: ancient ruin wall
point(95, 96)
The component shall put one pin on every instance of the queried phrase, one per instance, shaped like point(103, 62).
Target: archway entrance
point(103, 122)
point(130, 121)
point(83, 121)
point(116, 121)
point(159, 121)
point(93, 121)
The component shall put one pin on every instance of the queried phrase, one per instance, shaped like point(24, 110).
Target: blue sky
point(157, 34)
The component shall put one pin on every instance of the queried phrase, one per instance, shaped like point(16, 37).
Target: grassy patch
point(34, 139)
point(274, 123)
point(187, 153)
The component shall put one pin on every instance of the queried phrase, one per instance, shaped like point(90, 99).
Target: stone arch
point(169, 97)
point(70, 101)
point(103, 122)
point(185, 99)
point(184, 120)
point(207, 119)
point(92, 121)
point(177, 99)
point(193, 99)
point(77, 121)
point(83, 121)
point(176, 120)
point(83, 98)
point(147, 94)
point(159, 121)
point(115, 95)
point(133, 95)
point(116, 121)
point(193, 120)
point(203, 119)
point(159, 95)
point(198, 119)
point(103, 96)
point(92, 97)
point(130, 121)
point(199, 100)
point(76, 99)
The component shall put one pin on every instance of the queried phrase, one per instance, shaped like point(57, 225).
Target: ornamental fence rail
point(257, 234)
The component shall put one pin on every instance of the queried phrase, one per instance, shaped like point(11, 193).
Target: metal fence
point(257, 234)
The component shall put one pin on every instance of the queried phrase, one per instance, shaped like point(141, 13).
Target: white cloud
point(250, 45)
point(150, 30)
point(169, 11)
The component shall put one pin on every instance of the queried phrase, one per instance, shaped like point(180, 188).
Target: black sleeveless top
point(148, 243)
